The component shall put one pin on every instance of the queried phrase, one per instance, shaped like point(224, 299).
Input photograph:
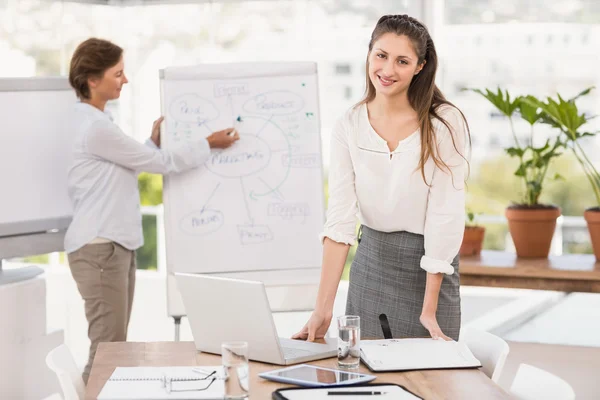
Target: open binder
point(415, 354)
point(387, 390)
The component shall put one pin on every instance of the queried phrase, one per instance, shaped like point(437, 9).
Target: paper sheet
point(391, 392)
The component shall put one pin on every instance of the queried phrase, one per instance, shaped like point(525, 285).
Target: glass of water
point(348, 341)
point(234, 356)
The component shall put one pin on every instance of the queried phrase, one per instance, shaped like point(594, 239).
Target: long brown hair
point(91, 59)
point(423, 94)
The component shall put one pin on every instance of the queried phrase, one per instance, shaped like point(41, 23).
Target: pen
point(342, 393)
point(202, 371)
point(238, 119)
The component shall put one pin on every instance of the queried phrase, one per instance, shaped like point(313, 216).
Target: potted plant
point(473, 237)
point(531, 223)
point(564, 115)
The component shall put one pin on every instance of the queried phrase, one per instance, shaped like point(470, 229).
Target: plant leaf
point(528, 108)
point(515, 151)
point(521, 170)
point(501, 100)
point(564, 115)
point(582, 93)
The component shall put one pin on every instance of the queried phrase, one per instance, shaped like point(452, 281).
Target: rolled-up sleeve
point(342, 208)
point(150, 143)
point(107, 141)
point(445, 216)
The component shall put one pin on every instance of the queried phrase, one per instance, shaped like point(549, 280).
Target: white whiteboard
point(35, 151)
point(255, 209)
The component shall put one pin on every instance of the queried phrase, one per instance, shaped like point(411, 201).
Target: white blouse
point(387, 191)
point(103, 178)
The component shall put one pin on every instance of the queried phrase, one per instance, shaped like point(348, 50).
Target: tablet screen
point(316, 375)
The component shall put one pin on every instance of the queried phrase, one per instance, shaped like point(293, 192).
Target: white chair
point(489, 349)
point(532, 383)
point(61, 362)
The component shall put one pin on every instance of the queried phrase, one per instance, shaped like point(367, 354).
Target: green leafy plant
point(533, 161)
point(564, 115)
point(471, 219)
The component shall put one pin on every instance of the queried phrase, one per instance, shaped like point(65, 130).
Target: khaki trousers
point(105, 277)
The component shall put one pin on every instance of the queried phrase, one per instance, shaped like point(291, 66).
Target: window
point(347, 92)
point(343, 69)
point(547, 46)
point(38, 37)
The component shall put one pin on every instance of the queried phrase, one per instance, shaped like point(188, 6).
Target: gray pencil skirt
point(386, 278)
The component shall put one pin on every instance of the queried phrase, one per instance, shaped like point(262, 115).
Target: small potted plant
point(531, 223)
point(473, 238)
point(564, 115)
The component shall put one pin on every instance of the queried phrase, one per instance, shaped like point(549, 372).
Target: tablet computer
point(310, 375)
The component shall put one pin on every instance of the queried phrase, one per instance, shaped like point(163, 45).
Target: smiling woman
point(398, 157)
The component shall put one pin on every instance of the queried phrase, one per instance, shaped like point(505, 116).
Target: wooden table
point(566, 273)
point(431, 385)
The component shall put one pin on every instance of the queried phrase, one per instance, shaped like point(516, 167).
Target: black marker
point(385, 326)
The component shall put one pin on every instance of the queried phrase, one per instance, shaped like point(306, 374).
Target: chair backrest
point(61, 362)
point(489, 349)
point(533, 383)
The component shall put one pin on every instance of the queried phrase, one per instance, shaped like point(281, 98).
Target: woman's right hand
point(223, 139)
point(315, 328)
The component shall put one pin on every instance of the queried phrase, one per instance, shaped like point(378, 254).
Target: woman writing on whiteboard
point(103, 187)
point(397, 159)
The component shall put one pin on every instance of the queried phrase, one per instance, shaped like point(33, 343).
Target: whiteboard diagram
point(257, 205)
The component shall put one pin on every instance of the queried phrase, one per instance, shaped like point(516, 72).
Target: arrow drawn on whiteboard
point(275, 192)
point(264, 126)
point(254, 195)
point(210, 197)
point(246, 202)
point(230, 104)
point(204, 124)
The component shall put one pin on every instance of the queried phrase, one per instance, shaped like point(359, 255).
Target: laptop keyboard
point(289, 352)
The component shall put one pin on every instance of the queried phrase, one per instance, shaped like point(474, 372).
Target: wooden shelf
point(569, 272)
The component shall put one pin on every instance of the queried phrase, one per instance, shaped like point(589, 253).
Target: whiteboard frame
point(288, 289)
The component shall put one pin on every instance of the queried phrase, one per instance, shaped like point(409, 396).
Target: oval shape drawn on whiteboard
point(281, 102)
point(192, 108)
point(202, 222)
point(247, 156)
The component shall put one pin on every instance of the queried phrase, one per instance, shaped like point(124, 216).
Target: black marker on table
point(385, 326)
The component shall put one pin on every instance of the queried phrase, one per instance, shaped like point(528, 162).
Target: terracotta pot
point(532, 230)
point(472, 241)
point(592, 217)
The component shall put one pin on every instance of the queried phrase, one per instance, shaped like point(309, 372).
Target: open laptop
point(224, 309)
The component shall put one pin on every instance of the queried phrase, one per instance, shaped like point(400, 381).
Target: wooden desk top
point(431, 385)
point(569, 272)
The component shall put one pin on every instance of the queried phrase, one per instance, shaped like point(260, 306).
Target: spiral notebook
point(168, 383)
